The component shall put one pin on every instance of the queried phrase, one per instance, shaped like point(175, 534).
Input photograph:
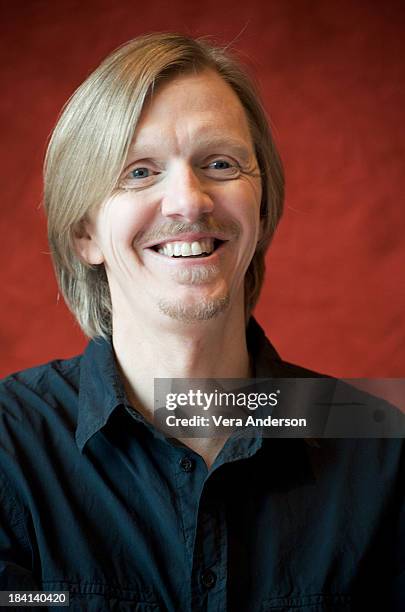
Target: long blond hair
point(89, 145)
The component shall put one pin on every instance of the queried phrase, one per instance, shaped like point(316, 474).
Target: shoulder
point(44, 382)
point(336, 408)
point(35, 401)
point(38, 412)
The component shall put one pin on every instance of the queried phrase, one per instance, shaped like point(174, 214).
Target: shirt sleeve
point(15, 550)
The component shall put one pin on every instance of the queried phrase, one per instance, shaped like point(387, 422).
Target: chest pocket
point(308, 603)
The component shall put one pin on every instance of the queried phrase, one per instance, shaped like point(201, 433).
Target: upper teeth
point(185, 249)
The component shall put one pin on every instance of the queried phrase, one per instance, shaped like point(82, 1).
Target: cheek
point(243, 204)
point(124, 218)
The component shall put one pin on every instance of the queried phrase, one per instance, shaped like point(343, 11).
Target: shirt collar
point(265, 359)
point(101, 390)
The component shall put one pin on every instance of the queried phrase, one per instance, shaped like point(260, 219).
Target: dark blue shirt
point(96, 501)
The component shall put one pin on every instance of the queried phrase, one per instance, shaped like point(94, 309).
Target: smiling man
point(177, 237)
point(163, 188)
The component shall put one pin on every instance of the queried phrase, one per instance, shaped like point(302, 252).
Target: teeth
point(196, 248)
point(185, 249)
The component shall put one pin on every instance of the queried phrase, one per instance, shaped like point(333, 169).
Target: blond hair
point(89, 145)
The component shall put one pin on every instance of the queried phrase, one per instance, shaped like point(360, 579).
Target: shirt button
point(208, 578)
point(187, 464)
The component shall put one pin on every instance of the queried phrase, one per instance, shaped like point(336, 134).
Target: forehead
point(192, 110)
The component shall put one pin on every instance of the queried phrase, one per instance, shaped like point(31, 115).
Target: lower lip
point(213, 258)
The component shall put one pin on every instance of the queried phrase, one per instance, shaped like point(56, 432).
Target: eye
point(138, 177)
point(222, 168)
point(139, 173)
point(220, 164)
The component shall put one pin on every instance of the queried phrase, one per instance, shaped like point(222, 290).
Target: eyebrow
point(203, 143)
point(240, 147)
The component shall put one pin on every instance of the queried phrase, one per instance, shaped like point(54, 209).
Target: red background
point(332, 77)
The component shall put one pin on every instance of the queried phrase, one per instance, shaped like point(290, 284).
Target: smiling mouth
point(188, 249)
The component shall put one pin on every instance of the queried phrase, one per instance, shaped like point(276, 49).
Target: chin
point(203, 310)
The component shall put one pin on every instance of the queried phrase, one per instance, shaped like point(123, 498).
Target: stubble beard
point(205, 308)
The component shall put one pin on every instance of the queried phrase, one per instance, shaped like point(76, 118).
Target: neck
point(205, 349)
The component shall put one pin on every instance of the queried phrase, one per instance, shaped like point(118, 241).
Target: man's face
point(177, 237)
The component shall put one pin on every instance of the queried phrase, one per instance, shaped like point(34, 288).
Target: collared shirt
point(96, 501)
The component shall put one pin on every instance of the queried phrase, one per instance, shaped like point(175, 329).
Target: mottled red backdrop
point(332, 75)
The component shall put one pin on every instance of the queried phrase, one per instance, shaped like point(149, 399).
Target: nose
point(184, 196)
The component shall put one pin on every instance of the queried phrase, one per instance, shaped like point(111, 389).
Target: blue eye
point(220, 164)
point(140, 177)
point(222, 169)
point(139, 173)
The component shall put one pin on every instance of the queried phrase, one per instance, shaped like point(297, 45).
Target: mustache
point(208, 225)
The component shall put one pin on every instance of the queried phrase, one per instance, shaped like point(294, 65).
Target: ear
point(86, 244)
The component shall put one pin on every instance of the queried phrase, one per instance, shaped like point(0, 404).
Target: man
point(163, 188)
